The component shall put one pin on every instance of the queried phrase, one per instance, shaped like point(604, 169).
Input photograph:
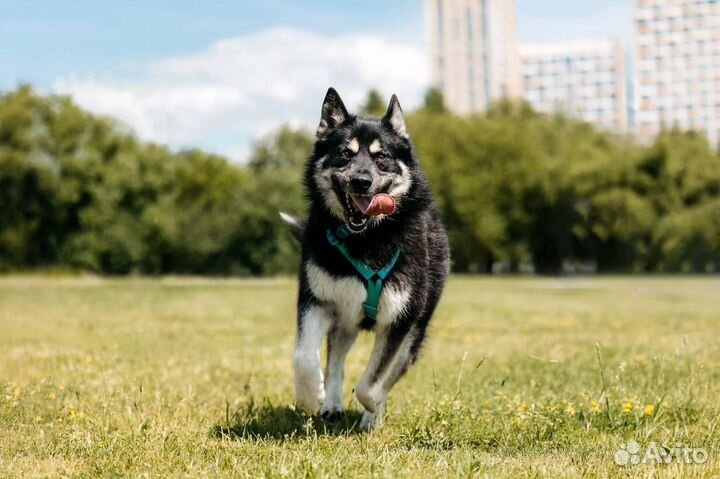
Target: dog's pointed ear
point(333, 112)
point(394, 119)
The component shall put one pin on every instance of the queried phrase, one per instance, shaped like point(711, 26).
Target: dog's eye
point(380, 158)
point(345, 154)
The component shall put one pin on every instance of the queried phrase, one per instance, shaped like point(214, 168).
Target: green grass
point(192, 377)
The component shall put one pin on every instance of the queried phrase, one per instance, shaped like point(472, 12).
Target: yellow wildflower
point(649, 409)
point(628, 407)
point(594, 407)
point(640, 358)
point(570, 409)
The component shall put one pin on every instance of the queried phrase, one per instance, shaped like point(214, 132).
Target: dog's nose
point(360, 183)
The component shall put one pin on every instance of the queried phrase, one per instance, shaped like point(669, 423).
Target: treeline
point(78, 191)
point(517, 190)
point(522, 188)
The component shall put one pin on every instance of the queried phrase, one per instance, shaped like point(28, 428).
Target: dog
point(383, 272)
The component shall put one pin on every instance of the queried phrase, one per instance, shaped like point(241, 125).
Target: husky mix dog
point(363, 267)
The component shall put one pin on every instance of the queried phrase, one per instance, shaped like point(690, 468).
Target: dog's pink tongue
point(381, 204)
point(361, 202)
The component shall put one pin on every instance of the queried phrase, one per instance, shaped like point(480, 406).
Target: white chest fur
point(346, 296)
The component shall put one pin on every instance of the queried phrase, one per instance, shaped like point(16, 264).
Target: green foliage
point(77, 191)
point(375, 104)
point(517, 190)
point(434, 101)
point(689, 239)
point(284, 151)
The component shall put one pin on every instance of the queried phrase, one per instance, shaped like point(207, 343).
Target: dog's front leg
point(313, 325)
point(388, 362)
point(340, 340)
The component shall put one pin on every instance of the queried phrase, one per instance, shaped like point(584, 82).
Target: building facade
point(585, 79)
point(677, 66)
point(473, 50)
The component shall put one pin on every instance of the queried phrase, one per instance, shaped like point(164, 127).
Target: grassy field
point(191, 377)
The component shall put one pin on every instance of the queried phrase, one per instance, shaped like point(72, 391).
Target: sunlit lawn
point(191, 377)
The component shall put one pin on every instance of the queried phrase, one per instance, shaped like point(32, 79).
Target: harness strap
point(374, 278)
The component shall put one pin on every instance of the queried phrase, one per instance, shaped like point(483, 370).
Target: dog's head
point(356, 158)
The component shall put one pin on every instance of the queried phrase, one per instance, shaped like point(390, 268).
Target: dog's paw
point(370, 420)
point(309, 388)
point(309, 397)
point(365, 396)
point(332, 408)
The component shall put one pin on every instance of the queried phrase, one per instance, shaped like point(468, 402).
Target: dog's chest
point(345, 296)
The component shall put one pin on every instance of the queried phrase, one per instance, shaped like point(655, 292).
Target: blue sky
point(170, 59)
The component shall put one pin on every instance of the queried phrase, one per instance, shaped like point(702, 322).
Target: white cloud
point(241, 88)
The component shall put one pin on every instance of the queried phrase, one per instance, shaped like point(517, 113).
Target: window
point(469, 27)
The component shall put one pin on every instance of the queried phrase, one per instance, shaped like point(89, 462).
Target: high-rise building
point(677, 66)
point(473, 51)
point(583, 78)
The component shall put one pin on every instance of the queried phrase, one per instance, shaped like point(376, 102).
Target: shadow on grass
point(265, 421)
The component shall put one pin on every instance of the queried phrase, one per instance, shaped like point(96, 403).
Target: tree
point(680, 175)
point(374, 105)
point(434, 101)
point(285, 149)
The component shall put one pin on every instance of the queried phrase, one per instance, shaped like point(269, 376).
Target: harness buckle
point(370, 310)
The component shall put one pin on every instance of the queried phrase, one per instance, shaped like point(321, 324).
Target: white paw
point(309, 388)
point(370, 421)
point(365, 397)
point(332, 406)
point(309, 394)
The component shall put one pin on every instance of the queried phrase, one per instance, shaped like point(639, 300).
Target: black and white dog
point(382, 271)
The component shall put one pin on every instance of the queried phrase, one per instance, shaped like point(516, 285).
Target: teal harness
point(374, 278)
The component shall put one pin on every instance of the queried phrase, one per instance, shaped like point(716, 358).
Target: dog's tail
point(297, 225)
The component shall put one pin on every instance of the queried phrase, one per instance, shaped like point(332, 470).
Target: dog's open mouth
point(356, 207)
